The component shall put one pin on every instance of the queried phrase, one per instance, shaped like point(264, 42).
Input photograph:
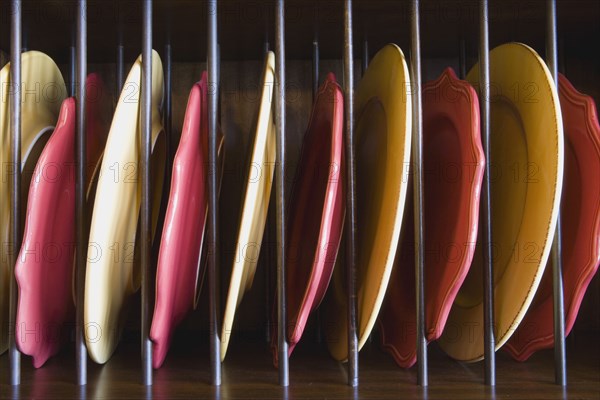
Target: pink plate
point(452, 173)
point(580, 223)
point(316, 213)
point(44, 269)
point(180, 269)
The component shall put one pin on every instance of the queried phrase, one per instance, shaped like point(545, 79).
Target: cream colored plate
point(42, 95)
point(255, 206)
point(383, 134)
point(112, 276)
point(527, 172)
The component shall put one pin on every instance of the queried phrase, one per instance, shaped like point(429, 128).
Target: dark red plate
point(453, 163)
point(316, 212)
point(580, 212)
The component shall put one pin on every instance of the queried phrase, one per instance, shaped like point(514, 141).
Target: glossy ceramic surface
point(316, 212)
point(45, 264)
point(580, 213)
point(383, 134)
point(453, 171)
point(527, 172)
point(40, 107)
point(180, 265)
point(255, 204)
point(113, 273)
point(44, 269)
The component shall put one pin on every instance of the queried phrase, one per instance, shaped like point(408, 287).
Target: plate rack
point(78, 51)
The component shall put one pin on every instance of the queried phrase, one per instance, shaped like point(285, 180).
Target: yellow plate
point(43, 91)
point(255, 206)
point(112, 276)
point(526, 173)
point(383, 135)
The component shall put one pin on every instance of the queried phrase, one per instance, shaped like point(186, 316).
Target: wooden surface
point(248, 374)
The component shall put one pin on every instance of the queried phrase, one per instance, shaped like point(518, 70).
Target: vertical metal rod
point(120, 67)
point(284, 378)
point(365, 57)
point(80, 192)
point(462, 59)
point(488, 273)
point(560, 361)
point(351, 196)
point(315, 69)
point(268, 238)
point(15, 151)
point(315, 90)
point(72, 68)
point(417, 152)
point(213, 210)
point(168, 116)
point(146, 211)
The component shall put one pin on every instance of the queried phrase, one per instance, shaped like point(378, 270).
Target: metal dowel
point(486, 209)
point(284, 378)
point(15, 188)
point(417, 152)
point(462, 59)
point(72, 68)
point(120, 66)
point(315, 89)
point(268, 239)
point(213, 210)
point(146, 211)
point(315, 68)
point(560, 362)
point(80, 192)
point(168, 116)
point(365, 56)
point(351, 197)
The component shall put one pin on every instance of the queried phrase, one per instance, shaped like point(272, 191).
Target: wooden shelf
point(248, 374)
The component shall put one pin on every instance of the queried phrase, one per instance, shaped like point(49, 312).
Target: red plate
point(180, 268)
point(452, 173)
point(44, 269)
point(316, 213)
point(580, 223)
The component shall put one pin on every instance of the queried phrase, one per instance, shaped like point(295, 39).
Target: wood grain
point(248, 374)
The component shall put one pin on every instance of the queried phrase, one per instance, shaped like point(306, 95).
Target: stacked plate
point(255, 205)
point(383, 126)
point(113, 272)
point(316, 213)
point(453, 164)
point(529, 161)
point(44, 268)
point(40, 109)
